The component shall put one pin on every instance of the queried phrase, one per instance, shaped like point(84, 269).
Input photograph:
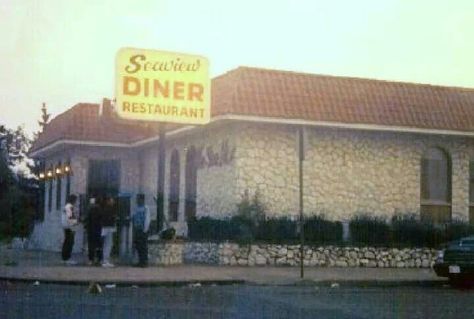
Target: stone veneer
point(231, 254)
point(345, 171)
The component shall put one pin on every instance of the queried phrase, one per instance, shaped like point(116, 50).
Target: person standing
point(141, 224)
point(94, 232)
point(108, 223)
point(68, 221)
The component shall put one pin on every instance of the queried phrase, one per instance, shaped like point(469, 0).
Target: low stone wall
point(165, 253)
point(289, 255)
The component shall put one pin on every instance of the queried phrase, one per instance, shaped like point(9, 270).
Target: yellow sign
point(162, 86)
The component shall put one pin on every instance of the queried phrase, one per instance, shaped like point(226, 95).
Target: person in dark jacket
point(93, 225)
point(108, 223)
point(141, 224)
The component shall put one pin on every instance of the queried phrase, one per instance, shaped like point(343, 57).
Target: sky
point(63, 52)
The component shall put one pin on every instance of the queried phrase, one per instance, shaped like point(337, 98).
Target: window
point(174, 187)
point(103, 177)
point(42, 194)
point(58, 189)
point(471, 192)
point(68, 181)
point(191, 183)
point(50, 192)
point(435, 186)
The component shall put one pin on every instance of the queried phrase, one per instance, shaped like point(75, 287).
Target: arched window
point(471, 191)
point(436, 186)
point(191, 183)
point(174, 187)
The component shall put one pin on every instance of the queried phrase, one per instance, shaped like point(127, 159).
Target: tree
point(43, 121)
point(18, 185)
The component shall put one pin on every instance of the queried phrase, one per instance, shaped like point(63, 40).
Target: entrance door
point(103, 178)
point(104, 181)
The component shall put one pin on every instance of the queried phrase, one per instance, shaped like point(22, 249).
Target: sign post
point(300, 173)
point(160, 196)
point(164, 87)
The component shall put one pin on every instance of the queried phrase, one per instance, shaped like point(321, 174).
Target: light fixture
point(41, 175)
point(67, 169)
point(58, 170)
point(49, 174)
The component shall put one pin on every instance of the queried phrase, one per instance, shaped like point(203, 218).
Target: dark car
point(456, 261)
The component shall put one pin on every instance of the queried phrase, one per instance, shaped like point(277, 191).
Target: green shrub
point(272, 230)
point(317, 229)
point(5, 230)
point(409, 230)
point(277, 230)
point(457, 229)
point(369, 230)
point(168, 234)
point(207, 228)
point(250, 211)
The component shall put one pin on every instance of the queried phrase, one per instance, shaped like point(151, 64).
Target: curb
point(372, 283)
point(225, 282)
point(183, 283)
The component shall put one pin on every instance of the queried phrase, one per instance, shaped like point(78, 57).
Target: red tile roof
point(83, 123)
point(290, 95)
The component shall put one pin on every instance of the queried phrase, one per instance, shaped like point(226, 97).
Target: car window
point(467, 242)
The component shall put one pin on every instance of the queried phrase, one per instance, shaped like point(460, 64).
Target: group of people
point(101, 224)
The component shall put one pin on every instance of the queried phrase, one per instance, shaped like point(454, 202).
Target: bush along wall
point(317, 230)
point(365, 230)
point(404, 230)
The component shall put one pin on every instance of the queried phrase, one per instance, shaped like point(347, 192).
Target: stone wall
point(231, 254)
point(345, 171)
point(266, 161)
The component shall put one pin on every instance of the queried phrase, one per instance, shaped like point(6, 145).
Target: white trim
point(261, 119)
point(156, 138)
point(77, 142)
point(369, 127)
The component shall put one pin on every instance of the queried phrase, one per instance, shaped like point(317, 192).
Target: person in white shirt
point(108, 223)
point(68, 221)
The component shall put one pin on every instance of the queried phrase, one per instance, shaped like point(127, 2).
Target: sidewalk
point(47, 267)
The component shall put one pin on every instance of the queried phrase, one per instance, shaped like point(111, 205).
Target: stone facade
point(232, 254)
point(345, 171)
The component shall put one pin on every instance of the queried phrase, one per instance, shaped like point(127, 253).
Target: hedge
point(272, 230)
point(365, 230)
point(405, 230)
point(317, 229)
point(369, 230)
